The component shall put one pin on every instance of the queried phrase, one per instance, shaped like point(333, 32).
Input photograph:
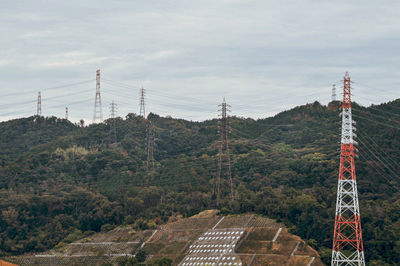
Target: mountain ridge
point(57, 177)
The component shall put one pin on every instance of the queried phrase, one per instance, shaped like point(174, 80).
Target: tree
point(141, 255)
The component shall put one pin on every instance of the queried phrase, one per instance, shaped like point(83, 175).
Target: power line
point(48, 88)
point(364, 155)
point(387, 155)
point(374, 88)
point(376, 115)
point(361, 117)
point(383, 111)
point(377, 157)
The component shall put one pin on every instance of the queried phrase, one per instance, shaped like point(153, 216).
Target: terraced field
point(189, 241)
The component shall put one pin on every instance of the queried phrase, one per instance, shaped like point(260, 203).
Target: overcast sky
point(263, 56)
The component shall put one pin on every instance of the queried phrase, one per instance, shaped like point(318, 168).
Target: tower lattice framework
point(333, 92)
point(150, 163)
point(347, 240)
point(142, 111)
point(39, 105)
point(224, 162)
point(98, 111)
point(113, 110)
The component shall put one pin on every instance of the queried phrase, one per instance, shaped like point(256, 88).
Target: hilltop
point(185, 241)
point(60, 182)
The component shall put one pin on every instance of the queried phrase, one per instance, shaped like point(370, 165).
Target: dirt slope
point(263, 242)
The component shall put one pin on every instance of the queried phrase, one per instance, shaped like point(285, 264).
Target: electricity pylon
point(39, 105)
point(142, 111)
point(150, 164)
point(333, 92)
point(347, 240)
point(98, 111)
point(224, 162)
point(113, 110)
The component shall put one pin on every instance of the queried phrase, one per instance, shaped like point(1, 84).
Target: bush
point(163, 262)
point(76, 235)
point(141, 255)
point(107, 227)
point(125, 261)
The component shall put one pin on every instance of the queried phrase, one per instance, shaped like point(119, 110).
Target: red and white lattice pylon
point(347, 240)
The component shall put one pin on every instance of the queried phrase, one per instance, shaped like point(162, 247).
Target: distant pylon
point(142, 111)
point(39, 104)
point(98, 112)
point(224, 162)
point(333, 92)
point(66, 113)
point(347, 240)
point(150, 164)
point(113, 109)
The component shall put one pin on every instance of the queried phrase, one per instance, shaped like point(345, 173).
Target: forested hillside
point(60, 181)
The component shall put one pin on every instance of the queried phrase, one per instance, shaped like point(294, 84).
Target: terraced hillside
point(204, 239)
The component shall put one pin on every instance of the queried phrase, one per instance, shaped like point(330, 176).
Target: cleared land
point(264, 242)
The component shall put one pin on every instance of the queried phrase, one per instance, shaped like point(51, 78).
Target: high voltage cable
point(167, 95)
point(176, 105)
point(20, 103)
point(66, 95)
point(190, 108)
point(70, 103)
point(388, 156)
point(68, 85)
point(380, 116)
point(373, 100)
point(48, 88)
point(376, 89)
point(271, 146)
point(383, 111)
point(197, 100)
point(46, 98)
point(377, 157)
point(120, 83)
point(378, 168)
point(13, 113)
point(364, 155)
point(391, 168)
point(172, 96)
point(361, 117)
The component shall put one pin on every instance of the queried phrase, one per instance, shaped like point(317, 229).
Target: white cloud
point(5, 62)
point(277, 53)
point(67, 59)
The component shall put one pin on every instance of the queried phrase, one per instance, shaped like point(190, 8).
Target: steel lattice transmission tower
point(113, 110)
point(150, 164)
point(347, 240)
point(224, 162)
point(142, 111)
point(333, 92)
point(39, 105)
point(98, 111)
point(66, 113)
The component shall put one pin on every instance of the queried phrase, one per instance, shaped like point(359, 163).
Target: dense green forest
point(60, 181)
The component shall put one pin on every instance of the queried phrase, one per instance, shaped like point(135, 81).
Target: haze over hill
point(61, 182)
